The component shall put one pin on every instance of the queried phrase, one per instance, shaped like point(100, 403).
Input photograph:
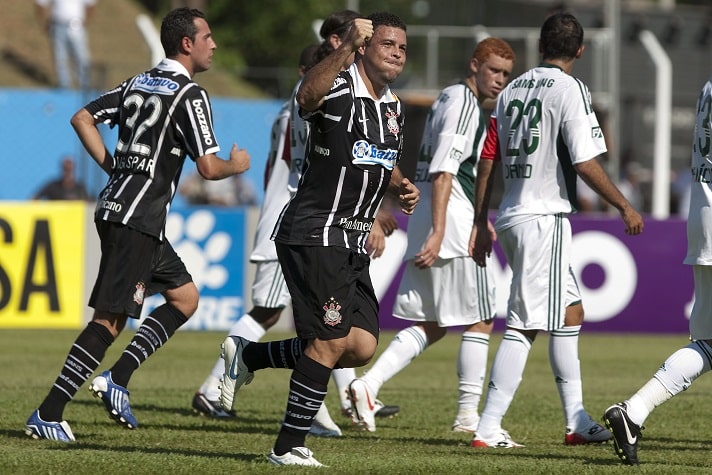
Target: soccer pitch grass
point(172, 439)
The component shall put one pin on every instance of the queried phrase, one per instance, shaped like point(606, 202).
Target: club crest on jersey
point(392, 122)
point(332, 316)
point(140, 292)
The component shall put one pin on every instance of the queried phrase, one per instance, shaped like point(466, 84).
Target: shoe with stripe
point(502, 440)
point(363, 405)
point(626, 433)
point(37, 428)
point(115, 398)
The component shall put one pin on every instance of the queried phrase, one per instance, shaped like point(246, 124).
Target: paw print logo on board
point(201, 249)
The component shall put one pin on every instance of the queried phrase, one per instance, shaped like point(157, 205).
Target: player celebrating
point(322, 233)
point(543, 131)
point(162, 116)
point(437, 258)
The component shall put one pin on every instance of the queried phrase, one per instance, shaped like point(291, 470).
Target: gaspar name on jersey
point(135, 164)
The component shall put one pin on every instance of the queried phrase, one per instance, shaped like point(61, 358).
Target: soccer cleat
point(384, 411)
point(626, 433)
point(500, 441)
point(115, 398)
point(236, 372)
point(319, 430)
point(595, 433)
point(323, 425)
point(36, 428)
point(362, 405)
point(297, 456)
point(466, 424)
point(205, 407)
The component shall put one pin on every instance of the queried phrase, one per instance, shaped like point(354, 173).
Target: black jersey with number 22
point(163, 116)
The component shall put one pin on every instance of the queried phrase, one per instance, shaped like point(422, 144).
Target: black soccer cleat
point(626, 433)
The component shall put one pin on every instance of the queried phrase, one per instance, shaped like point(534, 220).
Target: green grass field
point(171, 439)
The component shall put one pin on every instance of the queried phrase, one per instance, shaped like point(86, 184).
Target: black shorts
point(331, 290)
point(133, 266)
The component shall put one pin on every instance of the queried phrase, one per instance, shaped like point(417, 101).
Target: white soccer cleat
point(466, 423)
point(363, 405)
point(594, 433)
point(323, 425)
point(501, 440)
point(236, 372)
point(297, 456)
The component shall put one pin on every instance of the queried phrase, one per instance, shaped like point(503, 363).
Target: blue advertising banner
point(211, 242)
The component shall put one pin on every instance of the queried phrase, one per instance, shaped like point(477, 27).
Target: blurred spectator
point(66, 187)
point(232, 191)
point(681, 189)
point(588, 200)
point(633, 175)
point(64, 21)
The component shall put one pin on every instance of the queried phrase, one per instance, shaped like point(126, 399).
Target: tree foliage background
point(261, 40)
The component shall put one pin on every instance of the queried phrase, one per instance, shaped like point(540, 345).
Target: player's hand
point(408, 196)
point(480, 246)
point(387, 221)
point(361, 31)
point(376, 242)
point(240, 159)
point(633, 221)
point(430, 251)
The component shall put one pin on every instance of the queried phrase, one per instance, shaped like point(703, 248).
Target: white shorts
point(452, 292)
point(543, 283)
point(269, 289)
point(701, 315)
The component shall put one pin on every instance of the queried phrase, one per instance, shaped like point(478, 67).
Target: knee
point(184, 298)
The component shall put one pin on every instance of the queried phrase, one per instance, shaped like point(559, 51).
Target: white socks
point(406, 345)
point(471, 368)
point(246, 327)
point(675, 375)
point(507, 369)
point(564, 360)
point(342, 378)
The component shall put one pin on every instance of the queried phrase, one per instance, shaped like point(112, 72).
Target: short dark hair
point(176, 25)
point(338, 23)
point(386, 19)
point(561, 36)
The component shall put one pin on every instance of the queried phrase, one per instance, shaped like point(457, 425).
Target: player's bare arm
point(595, 177)
point(212, 167)
point(442, 188)
point(482, 232)
point(86, 128)
point(318, 81)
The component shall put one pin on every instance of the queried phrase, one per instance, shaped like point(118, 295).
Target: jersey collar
point(549, 65)
point(173, 66)
point(360, 89)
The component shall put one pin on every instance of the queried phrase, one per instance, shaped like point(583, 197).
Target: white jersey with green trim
point(699, 220)
point(544, 125)
point(452, 140)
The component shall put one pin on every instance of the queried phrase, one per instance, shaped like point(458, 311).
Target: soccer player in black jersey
point(355, 144)
point(162, 117)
